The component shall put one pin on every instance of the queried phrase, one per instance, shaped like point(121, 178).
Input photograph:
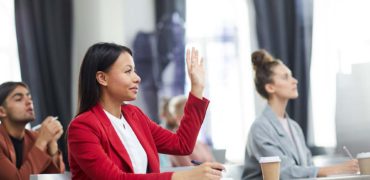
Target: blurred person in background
point(173, 118)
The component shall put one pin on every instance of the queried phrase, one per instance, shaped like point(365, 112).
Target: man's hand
point(53, 144)
point(51, 130)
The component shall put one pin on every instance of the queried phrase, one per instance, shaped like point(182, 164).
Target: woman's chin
point(133, 98)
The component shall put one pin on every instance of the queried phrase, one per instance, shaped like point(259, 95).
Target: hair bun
point(261, 57)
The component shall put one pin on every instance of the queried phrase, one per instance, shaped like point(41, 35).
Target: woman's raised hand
point(196, 72)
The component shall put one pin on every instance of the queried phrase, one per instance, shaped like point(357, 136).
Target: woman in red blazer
point(112, 140)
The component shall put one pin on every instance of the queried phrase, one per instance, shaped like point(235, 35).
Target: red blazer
point(96, 152)
point(35, 161)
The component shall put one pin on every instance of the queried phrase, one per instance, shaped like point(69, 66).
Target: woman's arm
point(183, 141)
point(348, 167)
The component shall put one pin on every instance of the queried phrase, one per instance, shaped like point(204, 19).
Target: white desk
point(347, 177)
point(65, 176)
point(233, 171)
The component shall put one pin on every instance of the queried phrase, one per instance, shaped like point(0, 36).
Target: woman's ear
point(2, 112)
point(102, 78)
point(270, 88)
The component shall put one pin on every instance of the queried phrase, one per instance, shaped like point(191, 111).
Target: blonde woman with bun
point(274, 133)
point(201, 152)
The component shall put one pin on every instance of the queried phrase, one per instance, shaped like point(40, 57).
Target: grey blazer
point(267, 137)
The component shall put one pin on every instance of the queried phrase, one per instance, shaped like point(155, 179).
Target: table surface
point(340, 177)
point(65, 176)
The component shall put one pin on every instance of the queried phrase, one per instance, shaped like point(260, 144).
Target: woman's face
point(122, 82)
point(284, 85)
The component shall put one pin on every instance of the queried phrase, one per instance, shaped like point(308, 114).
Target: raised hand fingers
point(194, 56)
point(188, 59)
point(196, 72)
point(201, 63)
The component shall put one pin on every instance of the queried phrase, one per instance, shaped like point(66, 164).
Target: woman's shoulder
point(83, 116)
point(86, 119)
point(260, 121)
point(261, 125)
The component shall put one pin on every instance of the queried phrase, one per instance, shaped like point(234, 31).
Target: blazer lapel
point(136, 126)
point(27, 143)
point(113, 138)
point(299, 144)
point(8, 144)
point(286, 143)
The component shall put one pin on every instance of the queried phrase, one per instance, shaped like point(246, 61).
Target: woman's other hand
point(207, 170)
point(348, 167)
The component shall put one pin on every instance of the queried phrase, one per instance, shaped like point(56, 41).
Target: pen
point(39, 125)
point(347, 151)
point(195, 162)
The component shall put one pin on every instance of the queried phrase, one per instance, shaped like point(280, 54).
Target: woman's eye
point(128, 71)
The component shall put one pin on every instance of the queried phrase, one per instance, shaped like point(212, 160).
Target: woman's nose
point(137, 78)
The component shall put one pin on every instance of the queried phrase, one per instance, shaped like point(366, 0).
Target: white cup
point(364, 162)
point(270, 167)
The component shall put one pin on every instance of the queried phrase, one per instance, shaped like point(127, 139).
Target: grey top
point(267, 137)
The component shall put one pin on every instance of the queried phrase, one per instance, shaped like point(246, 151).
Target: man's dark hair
point(7, 87)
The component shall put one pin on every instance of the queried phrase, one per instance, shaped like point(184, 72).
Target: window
point(9, 63)
point(220, 30)
point(341, 39)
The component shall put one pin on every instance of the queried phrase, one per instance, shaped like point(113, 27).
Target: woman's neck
point(278, 105)
point(111, 105)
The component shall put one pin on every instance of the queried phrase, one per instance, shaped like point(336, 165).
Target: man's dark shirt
point(18, 147)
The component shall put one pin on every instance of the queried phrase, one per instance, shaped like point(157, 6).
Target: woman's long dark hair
point(99, 57)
